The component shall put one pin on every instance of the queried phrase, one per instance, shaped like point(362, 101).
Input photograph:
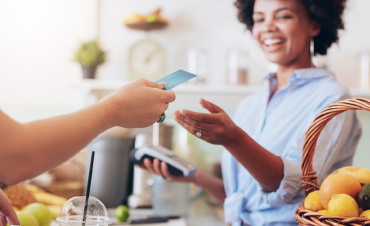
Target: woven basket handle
point(309, 179)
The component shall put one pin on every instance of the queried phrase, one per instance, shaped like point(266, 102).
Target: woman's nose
point(269, 25)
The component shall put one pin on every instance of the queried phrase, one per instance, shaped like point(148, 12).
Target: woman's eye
point(258, 20)
point(284, 17)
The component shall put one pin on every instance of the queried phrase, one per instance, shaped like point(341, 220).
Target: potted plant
point(89, 55)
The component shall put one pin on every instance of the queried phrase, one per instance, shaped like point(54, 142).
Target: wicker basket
point(309, 180)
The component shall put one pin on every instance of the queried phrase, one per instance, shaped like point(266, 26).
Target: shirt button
point(292, 79)
point(271, 110)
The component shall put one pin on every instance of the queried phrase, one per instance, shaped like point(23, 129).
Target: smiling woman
point(263, 143)
point(284, 31)
point(328, 14)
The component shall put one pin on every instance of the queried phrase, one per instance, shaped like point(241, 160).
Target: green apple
point(26, 219)
point(40, 212)
point(122, 213)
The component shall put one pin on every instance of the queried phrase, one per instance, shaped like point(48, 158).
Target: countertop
point(142, 213)
point(201, 213)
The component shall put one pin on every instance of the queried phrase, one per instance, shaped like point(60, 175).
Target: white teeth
point(271, 41)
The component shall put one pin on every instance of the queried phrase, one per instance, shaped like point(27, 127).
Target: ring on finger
point(199, 133)
point(162, 118)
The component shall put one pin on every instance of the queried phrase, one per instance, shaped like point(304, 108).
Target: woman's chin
point(277, 59)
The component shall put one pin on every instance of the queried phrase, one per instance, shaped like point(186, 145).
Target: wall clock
point(147, 60)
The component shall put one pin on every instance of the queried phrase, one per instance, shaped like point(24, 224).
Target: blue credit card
point(174, 79)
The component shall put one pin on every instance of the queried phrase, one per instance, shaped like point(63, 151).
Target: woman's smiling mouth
point(273, 44)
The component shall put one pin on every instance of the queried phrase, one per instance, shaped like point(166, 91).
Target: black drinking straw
point(88, 187)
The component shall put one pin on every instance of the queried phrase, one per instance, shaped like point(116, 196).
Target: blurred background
point(38, 77)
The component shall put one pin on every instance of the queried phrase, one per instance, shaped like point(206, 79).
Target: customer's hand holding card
point(174, 79)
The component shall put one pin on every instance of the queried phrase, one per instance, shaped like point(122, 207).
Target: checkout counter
point(201, 213)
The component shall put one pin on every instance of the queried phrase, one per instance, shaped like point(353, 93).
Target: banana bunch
point(360, 173)
point(150, 18)
point(53, 202)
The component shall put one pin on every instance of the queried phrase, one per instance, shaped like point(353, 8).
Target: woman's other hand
point(161, 169)
point(215, 128)
point(7, 213)
point(138, 104)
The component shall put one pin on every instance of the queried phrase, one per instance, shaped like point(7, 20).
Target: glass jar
point(197, 64)
point(237, 67)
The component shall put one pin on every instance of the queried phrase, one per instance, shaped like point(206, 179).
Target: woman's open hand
point(161, 169)
point(215, 128)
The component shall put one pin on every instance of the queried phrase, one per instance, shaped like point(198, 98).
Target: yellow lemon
point(365, 214)
point(313, 202)
point(324, 212)
point(343, 205)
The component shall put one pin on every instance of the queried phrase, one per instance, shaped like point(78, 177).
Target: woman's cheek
point(290, 29)
point(256, 33)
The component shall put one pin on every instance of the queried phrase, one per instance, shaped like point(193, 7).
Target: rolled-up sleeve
point(237, 202)
point(289, 186)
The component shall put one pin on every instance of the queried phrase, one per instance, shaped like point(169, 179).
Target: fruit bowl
point(147, 26)
point(152, 21)
point(309, 179)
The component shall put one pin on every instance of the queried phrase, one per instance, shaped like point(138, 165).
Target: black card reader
point(176, 165)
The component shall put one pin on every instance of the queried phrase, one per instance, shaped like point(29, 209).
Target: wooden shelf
point(102, 85)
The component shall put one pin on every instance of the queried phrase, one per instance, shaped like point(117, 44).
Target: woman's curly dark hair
point(328, 13)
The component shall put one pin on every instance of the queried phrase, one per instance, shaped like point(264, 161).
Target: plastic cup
point(73, 210)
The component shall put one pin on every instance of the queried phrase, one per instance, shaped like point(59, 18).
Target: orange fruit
point(338, 183)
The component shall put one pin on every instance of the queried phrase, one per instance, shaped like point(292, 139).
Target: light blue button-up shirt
point(279, 125)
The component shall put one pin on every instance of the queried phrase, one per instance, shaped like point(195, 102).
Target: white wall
point(37, 40)
point(343, 59)
point(212, 25)
point(206, 24)
point(38, 37)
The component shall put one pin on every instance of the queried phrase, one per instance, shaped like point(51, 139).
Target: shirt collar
point(306, 73)
point(312, 73)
